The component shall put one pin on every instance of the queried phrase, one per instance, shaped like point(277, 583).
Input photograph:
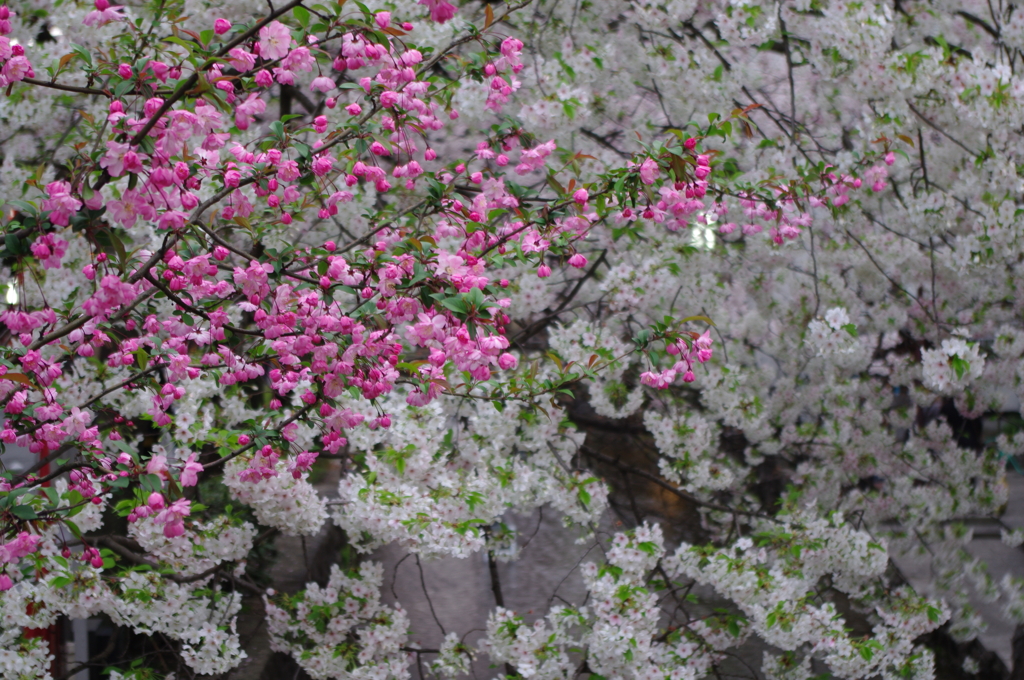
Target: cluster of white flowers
point(202, 546)
point(773, 582)
point(537, 652)
point(833, 335)
point(436, 476)
point(280, 501)
point(146, 602)
point(342, 630)
point(149, 604)
point(619, 628)
point(690, 453)
point(953, 366)
point(23, 658)
point(453, 658)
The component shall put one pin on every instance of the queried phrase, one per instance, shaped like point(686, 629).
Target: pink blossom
point(49, 250)
point(322, 84)
point(132, 206)
point(247, 111)
point(649, 171)
point(103, 14)
point(275, 40)
point(190, 473)
point(440, 10)
point(157, 465)
point(172, 517)
point(22, 545)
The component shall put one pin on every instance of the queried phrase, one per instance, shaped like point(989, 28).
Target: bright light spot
point(703, 235)
point(55, 32)
point(12, 293)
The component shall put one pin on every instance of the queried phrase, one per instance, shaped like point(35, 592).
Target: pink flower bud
point(125, 71)
point(578, 261)
point(264, 78)
point(383, 19)
point(221, 26)
point(507, 361)
point(243, 440)
point(543, 271)
point(581, 196)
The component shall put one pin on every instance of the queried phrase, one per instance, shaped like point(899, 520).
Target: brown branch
point(66, 88)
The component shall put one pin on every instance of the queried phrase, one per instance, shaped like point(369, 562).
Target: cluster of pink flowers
point(170, 515)
point(500, 88)
point(11, 552)
point(103, 14)
point(698, 350)
point(14, 65)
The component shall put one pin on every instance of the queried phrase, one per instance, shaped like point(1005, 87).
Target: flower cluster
point(341, 630)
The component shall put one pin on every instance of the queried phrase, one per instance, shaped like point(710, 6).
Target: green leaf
point(24, 512)
point(183, 43)
point(455, 304)
point(850, 328)
point(959, 366)
point(150, 482)
point(73, 528)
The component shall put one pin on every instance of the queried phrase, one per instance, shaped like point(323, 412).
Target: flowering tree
point(440, 244)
